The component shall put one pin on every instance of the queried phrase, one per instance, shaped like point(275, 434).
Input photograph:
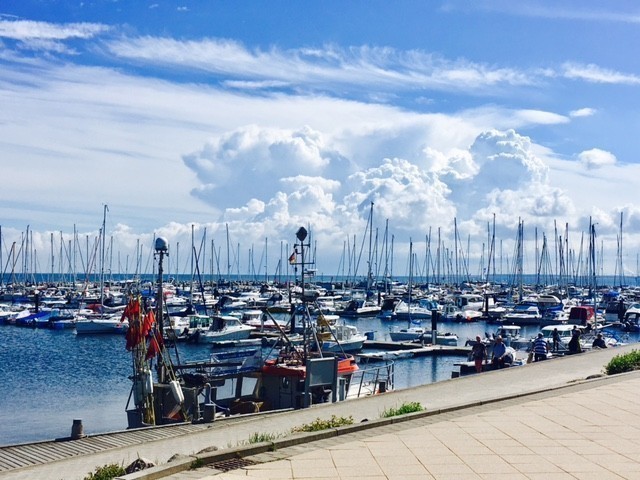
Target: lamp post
point(161, 248)
point(301, 235)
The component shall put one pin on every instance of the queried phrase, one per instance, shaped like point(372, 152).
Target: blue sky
point(264, 116)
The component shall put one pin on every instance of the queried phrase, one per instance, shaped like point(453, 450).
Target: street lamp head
point(301, 234)
point(161, 245)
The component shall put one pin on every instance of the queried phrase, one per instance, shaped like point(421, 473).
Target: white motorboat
point(451, 313)
point(360, 308)
point(101, 324)
point(224, 328)
point(339, 337)
point(413, 334)
point(414, 310)
point(523, 314)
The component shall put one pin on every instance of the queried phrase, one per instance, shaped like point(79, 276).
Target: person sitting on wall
point(599, 342)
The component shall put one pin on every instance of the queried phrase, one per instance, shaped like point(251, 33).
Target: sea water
point(52, 377)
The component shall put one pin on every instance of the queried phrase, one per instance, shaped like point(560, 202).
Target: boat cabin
point(582, 315)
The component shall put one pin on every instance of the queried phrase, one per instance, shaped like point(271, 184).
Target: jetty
point(383, 351)
point(224, 440)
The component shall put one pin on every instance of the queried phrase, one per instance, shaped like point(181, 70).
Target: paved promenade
point(590, 431)
point(542, 420)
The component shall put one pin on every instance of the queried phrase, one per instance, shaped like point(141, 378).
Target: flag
point(132, 310)
point(147, 323)
point(292, 258)
point(155, 345)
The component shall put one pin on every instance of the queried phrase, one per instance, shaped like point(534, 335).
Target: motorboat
point(224, 328)
point(631, 319)
point(451, 313)
point(523, 314)
point(415, 334)
point(360, 308)
point(101, 324)
point(422, 310)
point(338, 337)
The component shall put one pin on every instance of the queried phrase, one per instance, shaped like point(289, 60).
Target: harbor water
point(53, 377)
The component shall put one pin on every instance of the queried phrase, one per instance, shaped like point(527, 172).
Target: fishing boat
point(293, 376)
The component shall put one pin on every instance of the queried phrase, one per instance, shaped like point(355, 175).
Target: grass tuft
point(106, 472)
point(402, 409)
point(319, 424)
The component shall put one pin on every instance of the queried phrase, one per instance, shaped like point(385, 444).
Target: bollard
point(77, 430)
point(209, 412)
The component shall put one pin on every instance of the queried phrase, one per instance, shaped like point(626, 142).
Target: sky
point(226, 123)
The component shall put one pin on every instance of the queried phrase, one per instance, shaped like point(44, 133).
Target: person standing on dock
point(555, 336)
point(574, 343)
point(479, 353)
point(499, 353)
point(540, 348)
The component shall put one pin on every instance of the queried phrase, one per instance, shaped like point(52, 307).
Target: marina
point(56, 376)
point(191, 355)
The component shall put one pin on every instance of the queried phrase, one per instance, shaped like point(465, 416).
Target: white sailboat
point(101, 322)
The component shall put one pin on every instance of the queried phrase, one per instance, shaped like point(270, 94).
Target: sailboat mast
point(102, 248)
point(369, 272)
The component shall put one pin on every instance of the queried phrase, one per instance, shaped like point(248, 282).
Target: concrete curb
point(243, 451)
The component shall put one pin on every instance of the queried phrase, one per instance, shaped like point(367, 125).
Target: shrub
point(402, 409)
point(106, 472)
point(623, 363)
point(319, 424)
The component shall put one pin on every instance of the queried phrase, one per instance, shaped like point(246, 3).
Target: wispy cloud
point(557, 9)
point(382, 67)
point(28, 30)
point(595, 74)
point(48, 37)
point(582, 112)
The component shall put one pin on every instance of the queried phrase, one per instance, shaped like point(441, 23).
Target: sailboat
point(102, 321)
point(414, 315)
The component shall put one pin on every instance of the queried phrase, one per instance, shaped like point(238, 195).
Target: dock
point(383, 351)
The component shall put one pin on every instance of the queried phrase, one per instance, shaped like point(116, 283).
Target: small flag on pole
point(292, 258)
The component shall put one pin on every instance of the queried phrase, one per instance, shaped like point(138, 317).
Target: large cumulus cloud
point(248, 163)
point(301, 177)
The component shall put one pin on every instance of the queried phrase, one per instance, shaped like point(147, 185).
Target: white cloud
point(558, 10)
point(259, 157)
point(28, 30)
point(595, 74)
point(381, 67)
point(413, 198)
point(582, 112)
point(596, 158)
